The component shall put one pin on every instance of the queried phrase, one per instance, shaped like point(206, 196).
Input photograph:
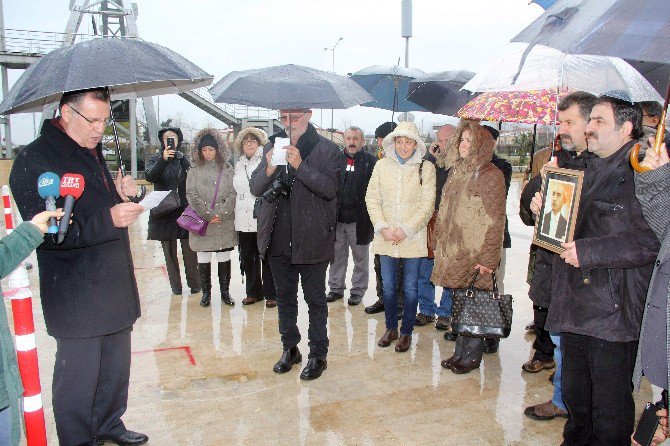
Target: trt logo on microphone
point(71, 180)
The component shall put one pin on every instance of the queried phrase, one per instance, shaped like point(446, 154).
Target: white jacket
point(244, 204)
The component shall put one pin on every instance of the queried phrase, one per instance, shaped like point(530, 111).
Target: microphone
point(71, 187)
point(48, 186)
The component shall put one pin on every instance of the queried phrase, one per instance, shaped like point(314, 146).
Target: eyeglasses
point(105, 121)
point(249, 141)
point(294, 118)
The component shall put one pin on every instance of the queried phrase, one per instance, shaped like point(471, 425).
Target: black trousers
point(597, 390)
point(259, 277)
point(172, 264)
point(544, 348)
point(313, 280)
point(90, 386)
point(380, 290)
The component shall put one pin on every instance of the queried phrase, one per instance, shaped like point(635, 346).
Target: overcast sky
point(226, 35)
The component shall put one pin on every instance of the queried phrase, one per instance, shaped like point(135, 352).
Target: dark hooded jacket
point(312, 203)
point(168, 175)
point(87, 283)
point(604, 297)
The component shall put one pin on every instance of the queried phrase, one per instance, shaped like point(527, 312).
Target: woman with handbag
point(210, 193)
point(400, 201)
point(249, 143)
point(167, 171)
point(470, 226)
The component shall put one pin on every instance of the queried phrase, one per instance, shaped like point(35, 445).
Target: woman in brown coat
point(470, 225)
point(210, 155)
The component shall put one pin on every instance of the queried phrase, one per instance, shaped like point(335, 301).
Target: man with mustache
point(354, 228)
point(573, 117)
point(600, 281)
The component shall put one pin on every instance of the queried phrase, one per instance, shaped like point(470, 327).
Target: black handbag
point(170, 203)
point(481, 313)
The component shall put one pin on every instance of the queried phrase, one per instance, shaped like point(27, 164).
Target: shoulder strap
point(216, 189)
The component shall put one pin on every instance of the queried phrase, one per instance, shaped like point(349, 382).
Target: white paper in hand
point(279, 151)
point(153, 199)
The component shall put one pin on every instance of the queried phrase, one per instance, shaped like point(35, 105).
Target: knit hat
point(260, 135)
point(207, 140)
point(408, 130)
point(385, 129)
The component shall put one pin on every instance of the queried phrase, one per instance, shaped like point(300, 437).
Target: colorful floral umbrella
point(526, 107)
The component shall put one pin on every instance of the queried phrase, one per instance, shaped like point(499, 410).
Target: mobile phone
point(646, 427)
point(170, 143)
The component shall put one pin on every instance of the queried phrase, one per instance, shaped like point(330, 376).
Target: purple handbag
point(191, 221)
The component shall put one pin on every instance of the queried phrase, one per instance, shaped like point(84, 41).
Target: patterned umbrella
point(526, 107)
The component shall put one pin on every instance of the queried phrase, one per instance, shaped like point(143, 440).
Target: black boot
point(471, 356)
point(224, 283)
point(456, 357)
point(205, 270)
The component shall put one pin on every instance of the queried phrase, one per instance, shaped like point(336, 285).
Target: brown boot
point(403, 343)
point(387, 338)
point(545, 411)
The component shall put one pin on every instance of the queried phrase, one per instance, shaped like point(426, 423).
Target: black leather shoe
point(288, 358)
point(450, 336)
point(313, 369)
point(491, 345)
point(125, 438)
point(332, 297)
point(354, 300)
point(376, 307)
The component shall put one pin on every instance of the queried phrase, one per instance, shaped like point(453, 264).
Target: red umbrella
point(526, 107)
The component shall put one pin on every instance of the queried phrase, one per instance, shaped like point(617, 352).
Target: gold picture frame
point(561, 191)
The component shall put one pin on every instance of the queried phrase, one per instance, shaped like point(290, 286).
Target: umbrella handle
point(658, 141)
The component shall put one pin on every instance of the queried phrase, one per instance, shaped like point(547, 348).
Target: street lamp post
point(332, 112)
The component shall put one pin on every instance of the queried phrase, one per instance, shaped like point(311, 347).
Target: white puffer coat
point(244, 203)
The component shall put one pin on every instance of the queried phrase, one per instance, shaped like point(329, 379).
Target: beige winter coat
point(200, 183)
point(471, 218)
point(395, 198)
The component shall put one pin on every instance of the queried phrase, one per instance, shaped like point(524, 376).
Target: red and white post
point(24, 329)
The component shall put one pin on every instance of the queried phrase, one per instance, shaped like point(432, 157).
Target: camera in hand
point(280, 186)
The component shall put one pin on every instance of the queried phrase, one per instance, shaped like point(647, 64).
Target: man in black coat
point(167, 170)
point(600, 282)
point(354, 228)
point(296, 232)
point(573, 116)
point(558, 197)
point(87, 283)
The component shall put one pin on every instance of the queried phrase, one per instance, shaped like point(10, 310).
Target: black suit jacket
point(560, 227)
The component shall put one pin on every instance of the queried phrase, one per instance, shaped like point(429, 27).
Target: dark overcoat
point(87, 283)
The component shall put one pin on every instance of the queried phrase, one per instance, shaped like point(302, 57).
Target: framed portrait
point(561, 190)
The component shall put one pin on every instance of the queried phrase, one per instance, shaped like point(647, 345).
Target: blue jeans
point(558, 393)
point(410, 289)
point(444, 310)
point(426, 288)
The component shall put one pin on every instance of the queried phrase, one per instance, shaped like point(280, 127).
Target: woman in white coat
point(249, 143)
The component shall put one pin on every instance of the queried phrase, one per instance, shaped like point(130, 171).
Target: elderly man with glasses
point(296, 232)
point(88, 291)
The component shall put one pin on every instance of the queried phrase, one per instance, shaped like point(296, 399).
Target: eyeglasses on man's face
point(105, 121)
point(293, 117)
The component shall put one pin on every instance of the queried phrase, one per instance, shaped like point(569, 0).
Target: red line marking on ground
point(185, 348)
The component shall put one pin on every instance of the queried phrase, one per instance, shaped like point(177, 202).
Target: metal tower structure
point(111, 18)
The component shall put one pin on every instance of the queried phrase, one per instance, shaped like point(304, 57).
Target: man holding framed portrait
point(573, 116)
point(600, 281)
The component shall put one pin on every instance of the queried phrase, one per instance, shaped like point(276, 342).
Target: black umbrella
point(441, 92)
point(288, 86)
point(129, 68)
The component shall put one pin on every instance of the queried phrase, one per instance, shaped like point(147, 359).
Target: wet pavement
point(203, 376)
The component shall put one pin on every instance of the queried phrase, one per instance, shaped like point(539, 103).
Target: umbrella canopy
point(131, 68)
point(526, 107)
point(388, 86)
point(441, 92)
point(288, 86)
point(630, 29)
point(549, 68)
